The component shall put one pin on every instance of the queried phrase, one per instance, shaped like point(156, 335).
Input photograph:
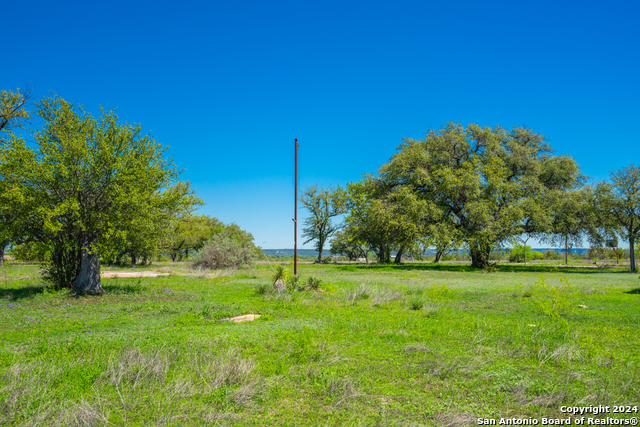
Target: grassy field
point(407, 345)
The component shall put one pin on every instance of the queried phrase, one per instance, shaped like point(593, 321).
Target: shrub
point(553, 301)
point(222, 251)
point(553, 255)
point(416, 304)
point(292, 282)
point(313, 283)
point(517, 254)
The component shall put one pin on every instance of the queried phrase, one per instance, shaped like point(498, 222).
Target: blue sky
point(229, 85)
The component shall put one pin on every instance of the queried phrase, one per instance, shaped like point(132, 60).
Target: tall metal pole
point(295, 218)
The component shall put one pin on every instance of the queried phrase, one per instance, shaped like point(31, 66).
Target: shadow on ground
point(634, 291)
point(119, 288)
point(15, 294)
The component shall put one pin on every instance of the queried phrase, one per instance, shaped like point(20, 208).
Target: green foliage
point(323, 205)
point(556, 302)
point(89, 186)
point(188, 233)
point(223, 252)
point(552, 255)
point(385, 218)
point(416, 304)
point(293, 283)
point(12, 111)
point(313, 283)
point(30, 251)
point(489, 184)
point(12, 115)
point(279, 274)
point(348, 242)
point(618, 204)
point(517, 254)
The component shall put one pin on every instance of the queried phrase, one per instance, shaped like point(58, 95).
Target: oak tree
point(482, 179)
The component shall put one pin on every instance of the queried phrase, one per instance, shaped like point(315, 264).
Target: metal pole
point(295, 218)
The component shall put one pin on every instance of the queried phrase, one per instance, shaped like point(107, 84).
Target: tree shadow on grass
point(15, 294)
point(634, 291)
point(464, 268)
point(118, 288)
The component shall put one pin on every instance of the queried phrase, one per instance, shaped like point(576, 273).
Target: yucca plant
point(278, 277)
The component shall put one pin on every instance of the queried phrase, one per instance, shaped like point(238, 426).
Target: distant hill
point(289, 252)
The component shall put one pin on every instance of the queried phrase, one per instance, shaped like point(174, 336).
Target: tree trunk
point(320, 256)
point(632, 255)
point(438, 256)
point(479, 257)
point(133, 260)
point(566, 250)
point(2, 246)
point(88, 279)
point(399, 255)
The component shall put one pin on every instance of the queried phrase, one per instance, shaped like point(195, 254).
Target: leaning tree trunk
point(632, 255)
point(88, 279)
point(398, 259)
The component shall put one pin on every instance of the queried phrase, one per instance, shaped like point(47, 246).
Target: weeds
point(416, 304)
point(137, 368)
point(552, 301)
point(313, 283)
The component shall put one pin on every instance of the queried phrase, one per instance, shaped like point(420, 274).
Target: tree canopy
point(13, 114)
point(323, 205)
point(487, 184)
point(87, 186)
point(618, 202)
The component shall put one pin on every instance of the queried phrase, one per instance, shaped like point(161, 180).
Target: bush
point(313, 283)
point(517, 254)
point(553, 255)
point(553, 301)
point(223, 252)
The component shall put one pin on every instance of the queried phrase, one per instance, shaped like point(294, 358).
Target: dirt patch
point(244, 318)
point(110, 274)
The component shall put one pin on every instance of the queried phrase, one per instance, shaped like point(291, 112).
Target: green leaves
point(487, 184)
point(90, 180)
point(323, 205)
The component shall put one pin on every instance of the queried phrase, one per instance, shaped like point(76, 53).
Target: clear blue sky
point(229, 85)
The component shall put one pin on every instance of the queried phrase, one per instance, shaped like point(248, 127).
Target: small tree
point(323, 205)
point(619, 203)
point(84, 186)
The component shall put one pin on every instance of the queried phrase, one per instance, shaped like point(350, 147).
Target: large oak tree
point(486, 181)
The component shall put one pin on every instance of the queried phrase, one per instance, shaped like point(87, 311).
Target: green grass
point(406, 345)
